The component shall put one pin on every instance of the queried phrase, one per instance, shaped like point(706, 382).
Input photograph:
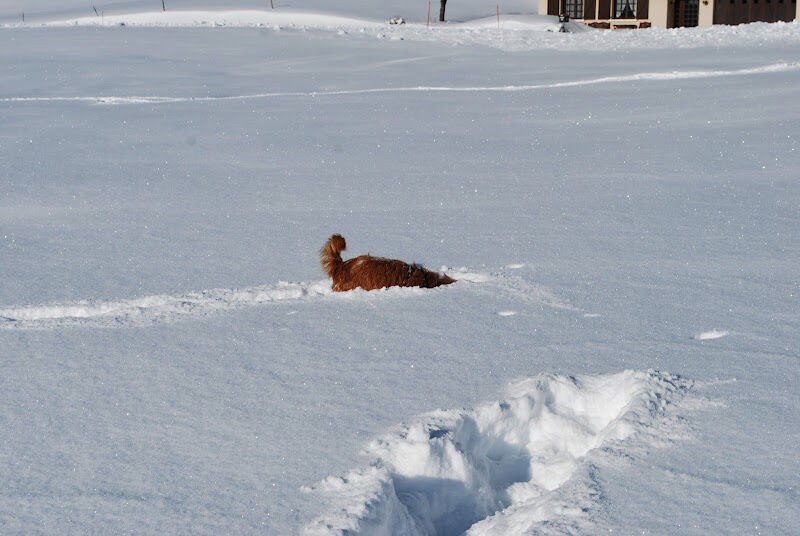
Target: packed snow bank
point(503, 468)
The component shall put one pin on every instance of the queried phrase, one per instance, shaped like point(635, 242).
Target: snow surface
point(622, 210)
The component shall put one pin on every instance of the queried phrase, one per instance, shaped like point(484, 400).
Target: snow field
point(621, 205)
point(497, 469)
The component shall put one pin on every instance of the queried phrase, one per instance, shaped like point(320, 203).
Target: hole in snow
point(497, 466)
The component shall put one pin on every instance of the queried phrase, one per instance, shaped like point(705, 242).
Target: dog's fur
point(369, 272)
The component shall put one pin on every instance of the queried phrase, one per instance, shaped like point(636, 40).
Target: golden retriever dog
point(370, 272)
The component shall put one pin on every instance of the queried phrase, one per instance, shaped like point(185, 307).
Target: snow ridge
point(155, 309)
point(634, 77)
point(515, 466)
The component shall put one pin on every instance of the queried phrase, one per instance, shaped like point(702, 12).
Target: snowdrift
point(507, 467)
point(510, 32)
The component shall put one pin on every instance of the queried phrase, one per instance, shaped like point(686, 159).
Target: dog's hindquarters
point(329, 256)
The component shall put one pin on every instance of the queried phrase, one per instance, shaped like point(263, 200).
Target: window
point(625, 9)
point(573, 8)
point(686, 13)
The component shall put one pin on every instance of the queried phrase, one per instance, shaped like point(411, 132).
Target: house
point(670, 13)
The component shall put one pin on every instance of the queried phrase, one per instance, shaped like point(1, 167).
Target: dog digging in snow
point(370, 272)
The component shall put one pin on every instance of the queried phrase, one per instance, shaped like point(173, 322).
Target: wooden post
point(441, 10)
point(163, 6)
point(428, 24)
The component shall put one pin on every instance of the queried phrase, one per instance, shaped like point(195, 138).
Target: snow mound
point(227, 18)
point(514, 466)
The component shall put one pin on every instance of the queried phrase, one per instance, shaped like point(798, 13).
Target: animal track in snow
point(155, 309)
point(165, 308)
point(162, 308)
point(503, 467)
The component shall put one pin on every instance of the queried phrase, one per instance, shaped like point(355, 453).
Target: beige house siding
point(658, 12)
point(706, 15)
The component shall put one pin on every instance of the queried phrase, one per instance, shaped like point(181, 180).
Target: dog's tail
point(329, 256)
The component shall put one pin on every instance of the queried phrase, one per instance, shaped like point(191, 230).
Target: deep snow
point(620, 352)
